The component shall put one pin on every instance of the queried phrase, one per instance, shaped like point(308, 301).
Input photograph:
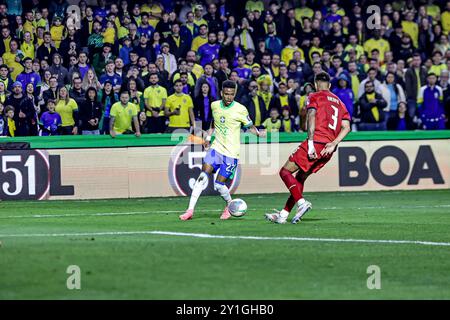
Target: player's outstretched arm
point(256, 132)
point(207, 142)
point(311, 128)
point(330, 147)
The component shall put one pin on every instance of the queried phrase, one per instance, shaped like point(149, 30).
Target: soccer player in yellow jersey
point(228, 118)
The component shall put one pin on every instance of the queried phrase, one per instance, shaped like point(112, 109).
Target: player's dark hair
point(177, 81)
point(229, 84)
point(322, 76)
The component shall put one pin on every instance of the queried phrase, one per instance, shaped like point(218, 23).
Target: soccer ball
point(237, 207)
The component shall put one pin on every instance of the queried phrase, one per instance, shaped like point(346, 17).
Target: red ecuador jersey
point(330, 111)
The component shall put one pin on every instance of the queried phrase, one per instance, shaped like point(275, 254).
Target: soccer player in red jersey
point(328, 122)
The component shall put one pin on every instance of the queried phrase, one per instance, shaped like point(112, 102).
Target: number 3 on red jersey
point(334, 118)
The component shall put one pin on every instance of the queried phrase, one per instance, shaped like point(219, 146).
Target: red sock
point(291, 183)
point(290, 203)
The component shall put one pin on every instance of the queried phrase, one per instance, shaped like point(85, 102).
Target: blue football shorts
point(226, 165)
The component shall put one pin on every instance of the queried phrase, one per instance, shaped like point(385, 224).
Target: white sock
point(284, 214)
point(200, 184)
point(223, 190)
point(300, 202)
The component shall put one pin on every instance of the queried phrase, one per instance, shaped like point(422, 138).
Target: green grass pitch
point(39, 240)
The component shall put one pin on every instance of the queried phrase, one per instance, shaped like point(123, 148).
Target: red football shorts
point(300, 157)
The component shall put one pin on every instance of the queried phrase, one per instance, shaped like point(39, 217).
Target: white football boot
point(301, 211)
point(275, 217)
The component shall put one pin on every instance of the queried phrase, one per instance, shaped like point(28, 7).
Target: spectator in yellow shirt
point(252, 5)
point(67, 108)
point(411, 28)
point(11, 124)
point(27, 47)
point(30, 24)
point(303, 11)
point(123, 114)
point(154, 10)
point(109, 35)
point(273, 124)
point(179, 109)
point(198, 16)
point(288, 52)
point(201, 39)
point(13, 59)
point(445, 19)
point(377, 43)
point(433, 10)
point(57, 31)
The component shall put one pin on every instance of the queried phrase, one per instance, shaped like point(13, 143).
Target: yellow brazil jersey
point(11, 127)
point(123, 116)
point(29, 27)
point(284, 100)
point(42, 23)
point(272, 126)
point(287, 125)
point(359, 50)
point(445, 20)
point(437, 69)
point(190, 81)
point(276, 71)
point(109, 35)
point(288, 53)
point(197, 70)
point(184, 103)
point(39, 43)
point(355, 85)
point(153, 9)
point(66, 110)
point(300, 13)
point(302, 102)
point(412, 29)
point(10, 60)
point(6, 43)
point(314, 49)
point(122, 32)
point(57, 34)
point(3, 97)
point(380, 44)
point(28, 50)
point(434, 11)
point(228, 121)
point(257, 111)
point(266, 96)
point(154, 96)
point(254, 5)
point(199, 22)
point(198, 42)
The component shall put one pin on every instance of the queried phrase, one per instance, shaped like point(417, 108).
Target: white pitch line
point(212, 236)
point(100, 214)
point(97, 214)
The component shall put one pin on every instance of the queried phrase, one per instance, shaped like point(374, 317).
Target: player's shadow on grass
point(312, 219)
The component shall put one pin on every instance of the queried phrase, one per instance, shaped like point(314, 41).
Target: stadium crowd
point(110, 67)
